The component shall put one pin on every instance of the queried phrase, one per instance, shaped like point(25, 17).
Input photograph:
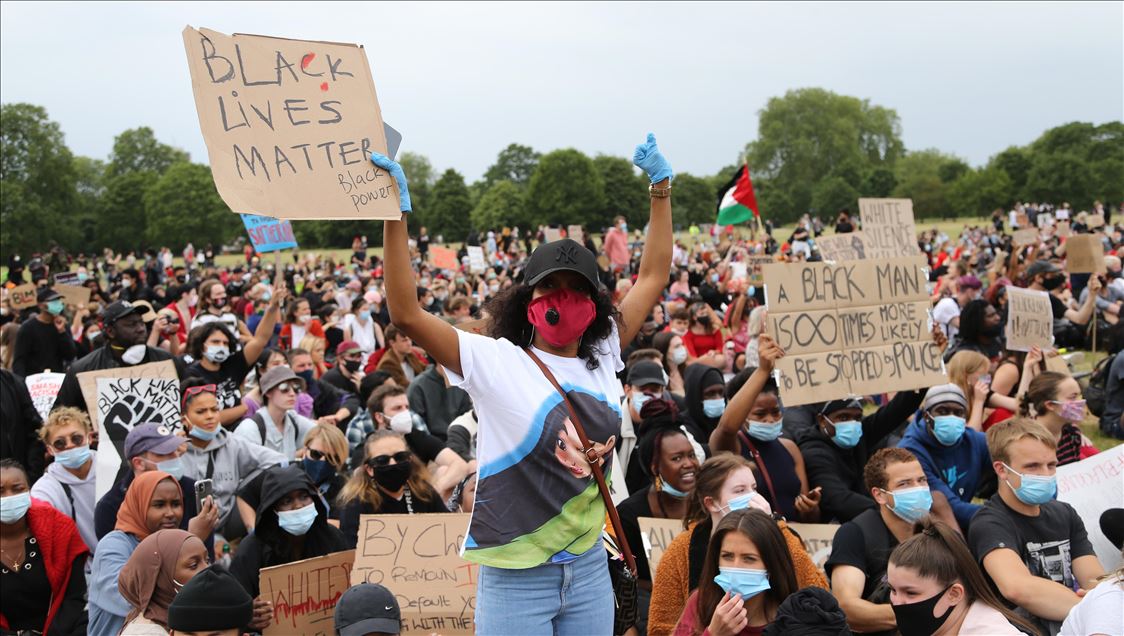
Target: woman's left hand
point(263, 615)
point(649, 159)
point(939, 338)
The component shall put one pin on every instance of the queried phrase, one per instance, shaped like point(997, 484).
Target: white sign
point(476, 262)
point(44, 387)
point(122, 404)
point(1092, 486)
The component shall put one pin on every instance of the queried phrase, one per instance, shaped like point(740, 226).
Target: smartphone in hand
point(203, 488)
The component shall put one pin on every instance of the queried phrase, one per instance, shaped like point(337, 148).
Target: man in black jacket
point(19, 426)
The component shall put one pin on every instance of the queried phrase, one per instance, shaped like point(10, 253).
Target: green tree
point(421, 176)
point(450, 207)
point(515, 163)
point(1015, 162)
point(38, 177)
point(502, 205)
point(566, 188)
point(810, 134)
point(1060, 177)
point(952, 169)
point(122, 222)
point(693, 200)
point(833, 194)
point(183, 205)
point(90, 186)
point(138, 150)
point(978, 192)
point(878, 183)
point(918, 178)
point(626, 193)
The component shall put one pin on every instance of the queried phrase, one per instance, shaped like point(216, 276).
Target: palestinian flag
point(736, 201)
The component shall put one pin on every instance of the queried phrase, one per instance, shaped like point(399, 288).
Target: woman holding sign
point(537, 523)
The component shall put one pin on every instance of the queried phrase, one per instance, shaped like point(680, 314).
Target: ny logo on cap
point(567, 252)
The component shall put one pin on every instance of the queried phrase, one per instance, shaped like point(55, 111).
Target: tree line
point(816, 151)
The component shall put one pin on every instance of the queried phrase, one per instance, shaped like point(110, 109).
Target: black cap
point(1041, 267)
point(839, 405)
point(212, 600)
point(46, 294)
point(562, 255)
point(1112, 525)
point(367, 608)
point(118, 310)
point(646, 372)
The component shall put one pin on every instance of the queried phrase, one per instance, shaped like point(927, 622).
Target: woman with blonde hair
point(969, 371)
point(316, 347)
point(324, 458)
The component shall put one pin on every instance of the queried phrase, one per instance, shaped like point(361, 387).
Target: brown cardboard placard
point(289, 126)
point(843, 247)
point(74, 295)
point(817, 538)
point(23, 296)
point(888, 227)
point(444, 257)
point(1084, 254)
point(851, 328)
point(1022, 219)
point(551, 234)
point(1030, 319)
point(754, 263)
point(304, 593)
point(657, 534)
point(575, 232)
point(1095, 221)
point(1027, 236)
point(418, 558)
point(1062, 230)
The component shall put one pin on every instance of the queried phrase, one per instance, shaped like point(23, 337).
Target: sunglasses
point(400, 457)
point(192, 391)
point(76, 439)
point(286, 388)
point(317, 455)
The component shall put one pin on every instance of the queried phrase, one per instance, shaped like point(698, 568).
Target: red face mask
point(561, 317)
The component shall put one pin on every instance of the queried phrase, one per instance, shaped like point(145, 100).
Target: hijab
point(132, 516)
point(147, 580)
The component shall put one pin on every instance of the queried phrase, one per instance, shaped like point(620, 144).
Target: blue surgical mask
point(848, 433)
point(1034, 490)
point(74, 457)
point(746, 582)
point(83, 277)
point(365, 315)
point(740, 502)
point(13, 508)
point(714, 408)
point(266, 296)
point(55, 307)
point(639, 399)
point(297, 522)
point(948, 429)
point(911, 504)
point(764, 431)
point(202, 434)
point(671, 490)
point(173, 467)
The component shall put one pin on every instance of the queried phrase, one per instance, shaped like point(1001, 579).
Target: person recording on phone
point(150, 447)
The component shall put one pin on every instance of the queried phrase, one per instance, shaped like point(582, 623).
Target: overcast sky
point(461, 81)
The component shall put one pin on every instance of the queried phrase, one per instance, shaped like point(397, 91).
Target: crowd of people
point(316, 391)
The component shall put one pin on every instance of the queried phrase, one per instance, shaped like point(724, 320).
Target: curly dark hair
point(508, 311)
point(972, 320)
point(199, 335)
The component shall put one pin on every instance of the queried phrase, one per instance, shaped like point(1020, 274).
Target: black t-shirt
point(423, 243)
point(844, 227)
point(1047, 544)
point(865, 543)
point(1058, 307)
point(630, 510)
point(228, 379)
point(349, 514)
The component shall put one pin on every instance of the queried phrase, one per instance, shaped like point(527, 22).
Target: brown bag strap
point(595, 465)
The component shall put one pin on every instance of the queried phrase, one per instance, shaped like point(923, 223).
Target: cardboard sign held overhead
point(657, 534)
point(1084, 254)
point(1030, 320)
point(418, 558)
point(74, 295)
point(575, 232)
point(444, 257)
point(551, 234)
point(23, 296)
point(1062, 230)
point(843, 247)
point(754, 263)
point(44, 388)
point(289, 126)
point(476, 262)
point(1095, 221)
point(67, 278)
point(304, 593)
point(889, 228)
point(268, 234)
point(1029, 236)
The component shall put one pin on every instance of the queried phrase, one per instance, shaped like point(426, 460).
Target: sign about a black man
point(290, 125)
point(852, 328)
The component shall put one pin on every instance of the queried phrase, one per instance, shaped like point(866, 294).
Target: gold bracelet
point(659, 193)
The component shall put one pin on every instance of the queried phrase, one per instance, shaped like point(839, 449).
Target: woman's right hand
point(730, 616)
point(768, 352)
point(394, 169)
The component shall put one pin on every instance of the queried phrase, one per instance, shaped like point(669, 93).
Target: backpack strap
point(260, 421)
point(70, 497)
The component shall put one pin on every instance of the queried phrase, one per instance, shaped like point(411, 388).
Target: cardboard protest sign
point(1057, 364)
point(269, 234)
point(476, 262)
point(1022, 219)
point(73, 295)
point(67, 278)
point(888, 227)
point(418, 558)
point(289, 126)
point(739, 270)
point(1092, 486)
point(851, 329)
point(754, 263)
point(1045, 220)
point(444, 257)
point(1028, 236)
point(119, 399)
point(551, 234)
point(304, 594)
point(1030, 319)
point(1094, 221)
point(817, 538)
point(1062, 230)
point(23, 296)
point(44, 388)
point(1084, 254)
point(843, 247)
point(575, 232)
point(657, 534)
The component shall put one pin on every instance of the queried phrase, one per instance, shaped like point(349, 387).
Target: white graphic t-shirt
point(536, 498)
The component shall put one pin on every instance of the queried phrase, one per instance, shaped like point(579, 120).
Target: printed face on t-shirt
point(567, 453)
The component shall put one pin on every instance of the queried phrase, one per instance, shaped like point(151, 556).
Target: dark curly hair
point(199, 335)
point(972, 320)
point(508, 311)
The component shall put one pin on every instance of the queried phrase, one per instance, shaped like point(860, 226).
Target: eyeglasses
point(317, 455)
point(192, 391)
point(76, 439)
point(400, 457)
point(291, 386)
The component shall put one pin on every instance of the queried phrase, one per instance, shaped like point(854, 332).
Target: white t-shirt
point(362, 333)
point(536, 499)
point(1100, 612)
point(944, 312)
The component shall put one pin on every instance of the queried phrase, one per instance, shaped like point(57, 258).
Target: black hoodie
point(696, 378)
point(268, 545)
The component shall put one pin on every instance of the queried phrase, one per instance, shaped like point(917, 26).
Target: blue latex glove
point(395, 170)
point(648, 158)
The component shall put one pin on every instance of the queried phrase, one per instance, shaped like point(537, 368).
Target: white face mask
point(134, 354)
point(402, 423)
point(679, 355)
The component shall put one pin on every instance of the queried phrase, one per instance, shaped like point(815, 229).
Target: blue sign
point(268, 234)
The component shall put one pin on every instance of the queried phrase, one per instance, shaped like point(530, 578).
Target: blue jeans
point(574, 598)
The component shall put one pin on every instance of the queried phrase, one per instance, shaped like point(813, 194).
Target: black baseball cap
point(564, 255)
point(367, 608)
point(46, 295)
point(646, 372)
point(1041, 267)
point(118, 310)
